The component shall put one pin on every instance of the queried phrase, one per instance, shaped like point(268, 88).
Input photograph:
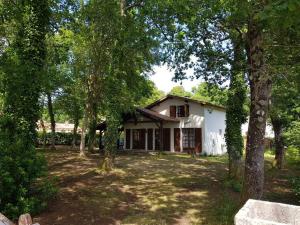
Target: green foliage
point(155, 95)
point(22, 170)
point(233, 184)
point(226, 210)
point(296, 187)
point(210, 93)
point(179, 91)
point(60, 138)
point(292, 135)
point(235, 117)
point(23, 186)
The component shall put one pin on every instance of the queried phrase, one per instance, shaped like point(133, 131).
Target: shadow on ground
point(144, 189)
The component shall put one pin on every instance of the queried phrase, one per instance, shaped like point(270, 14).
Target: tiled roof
point(169, 96)
point(156, 115)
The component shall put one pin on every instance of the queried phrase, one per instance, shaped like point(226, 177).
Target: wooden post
point(161, 136)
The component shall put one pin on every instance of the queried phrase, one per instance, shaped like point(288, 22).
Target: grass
point(149, 189)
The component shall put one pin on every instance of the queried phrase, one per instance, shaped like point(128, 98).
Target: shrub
point(60, 138)
point(233, 184)
point(24, 187)
point(296, 187)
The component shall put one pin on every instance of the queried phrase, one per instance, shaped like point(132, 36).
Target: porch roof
point(155, 115)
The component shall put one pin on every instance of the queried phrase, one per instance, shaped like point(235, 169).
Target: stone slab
point(256, 212)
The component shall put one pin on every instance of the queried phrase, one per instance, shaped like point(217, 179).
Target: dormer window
point(179, 111)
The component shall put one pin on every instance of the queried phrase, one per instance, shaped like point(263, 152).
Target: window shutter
point(187, 110)
point(173, 111)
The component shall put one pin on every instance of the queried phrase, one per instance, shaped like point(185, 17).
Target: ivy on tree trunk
point(52, 120)
point(235, 112)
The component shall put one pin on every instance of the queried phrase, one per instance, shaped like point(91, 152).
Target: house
point(177, 124)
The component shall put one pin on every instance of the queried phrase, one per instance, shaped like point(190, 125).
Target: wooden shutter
point(198, 140)
point(177, 139)
point(187, 110)
point(172, 111)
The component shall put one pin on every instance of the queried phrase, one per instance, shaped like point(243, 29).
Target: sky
point(162, 77)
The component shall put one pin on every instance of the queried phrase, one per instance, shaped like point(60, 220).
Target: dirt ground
point(147, 189)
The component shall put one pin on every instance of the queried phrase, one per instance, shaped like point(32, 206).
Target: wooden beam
point(161, 136)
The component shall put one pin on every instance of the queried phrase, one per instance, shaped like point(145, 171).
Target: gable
point(184, 100)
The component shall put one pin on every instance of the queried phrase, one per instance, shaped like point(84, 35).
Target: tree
point(210, 93)
point(198, 35)
point(179, 91)
point(22, 63)
point(155, 95)
point(284, 110)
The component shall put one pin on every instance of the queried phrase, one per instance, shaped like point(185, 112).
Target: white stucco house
point(177, 124)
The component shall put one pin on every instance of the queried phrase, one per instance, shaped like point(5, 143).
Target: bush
point(24, 187)
point(60, 138)
point(233, 184)
point(296, 187)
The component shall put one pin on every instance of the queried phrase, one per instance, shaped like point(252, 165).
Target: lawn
point(147, 189)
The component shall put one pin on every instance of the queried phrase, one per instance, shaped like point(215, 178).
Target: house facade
point(177, 124)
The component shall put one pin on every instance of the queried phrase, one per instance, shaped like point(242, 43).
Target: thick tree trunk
point(260, 89)
point(83, 132)
point(52, 121)
point(76, 123)
point(235, 114)
point(279, 144)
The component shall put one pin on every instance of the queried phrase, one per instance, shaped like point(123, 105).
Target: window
point(180, 112)
point(188, 138)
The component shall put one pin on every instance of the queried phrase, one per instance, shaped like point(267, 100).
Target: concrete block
point(4, 220)
point(256, 212)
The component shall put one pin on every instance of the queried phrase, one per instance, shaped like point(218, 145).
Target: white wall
point(195, 119)
point(214, 142)
point(269, 130)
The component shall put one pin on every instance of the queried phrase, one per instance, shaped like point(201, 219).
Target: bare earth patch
point(145, 189)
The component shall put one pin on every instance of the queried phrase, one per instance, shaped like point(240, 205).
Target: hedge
point(60, 138)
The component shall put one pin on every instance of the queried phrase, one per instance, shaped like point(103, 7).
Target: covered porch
point(149, 130)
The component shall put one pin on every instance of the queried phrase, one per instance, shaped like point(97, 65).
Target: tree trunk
point(76, 123)
point(92, 129)
point(279, 144)
point(122, 7)
point(83, 130)
point(44, 132)
point(52, 121)
point(235, 113)
point(260, 89)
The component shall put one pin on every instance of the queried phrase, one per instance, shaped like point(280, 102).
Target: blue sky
point(162, 77)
